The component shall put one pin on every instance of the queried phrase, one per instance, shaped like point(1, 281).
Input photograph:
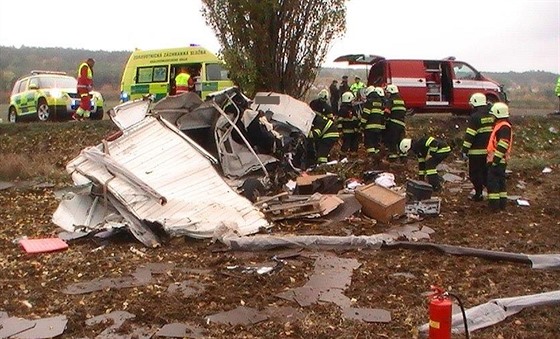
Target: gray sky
point(491, 35)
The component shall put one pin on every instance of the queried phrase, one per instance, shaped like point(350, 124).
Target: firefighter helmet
point(393, 89)
point(500, 110)
point(380, 91)
point(405, 145)
point(323, 94)
point(477, 99)
point(369, 90)
point(347, 97)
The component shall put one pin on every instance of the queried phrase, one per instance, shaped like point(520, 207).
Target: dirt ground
point(32, 286)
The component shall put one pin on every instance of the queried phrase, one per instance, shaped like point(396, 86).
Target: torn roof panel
point(153, 156)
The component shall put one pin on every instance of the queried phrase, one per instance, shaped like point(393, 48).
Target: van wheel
point(12, 115)
point(43, 111)
point(410, 111)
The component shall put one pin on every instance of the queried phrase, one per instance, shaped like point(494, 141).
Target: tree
point(275, 45)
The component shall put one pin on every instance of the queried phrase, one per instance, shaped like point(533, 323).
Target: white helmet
point(393, 89)
point(347, 97)
point(369, 90)
point(500, 110)
point(405, 145)
point(380, 91)
point(323, 94)
point(477, 99)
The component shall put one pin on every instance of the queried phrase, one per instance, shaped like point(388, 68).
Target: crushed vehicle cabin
point(153, 176)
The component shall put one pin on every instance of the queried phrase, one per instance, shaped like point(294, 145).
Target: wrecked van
point(153, 177)
point(428, 85)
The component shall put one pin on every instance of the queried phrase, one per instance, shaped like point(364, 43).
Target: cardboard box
point(380, 203)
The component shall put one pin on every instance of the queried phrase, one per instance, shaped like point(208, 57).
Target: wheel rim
point(43, 112)
point(12, 116)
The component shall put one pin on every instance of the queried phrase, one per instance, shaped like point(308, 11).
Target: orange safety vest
point(493, 143)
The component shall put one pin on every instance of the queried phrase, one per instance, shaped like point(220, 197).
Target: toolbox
point(418, 190)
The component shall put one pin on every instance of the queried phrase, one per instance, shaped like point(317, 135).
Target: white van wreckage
point(153, 177)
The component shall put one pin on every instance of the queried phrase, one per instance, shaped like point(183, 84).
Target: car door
point(465, 82)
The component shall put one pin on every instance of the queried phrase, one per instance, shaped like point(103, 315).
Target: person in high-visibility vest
point(85, 85)
point(373, 122)
point(321, 104)
point(476, 141)
point(557, 91)
point(183, 81)
point(348, 124)
point(324, 135)
point(430, 152)
point(499, 149)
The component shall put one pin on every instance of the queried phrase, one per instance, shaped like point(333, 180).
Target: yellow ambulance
point(153, 72)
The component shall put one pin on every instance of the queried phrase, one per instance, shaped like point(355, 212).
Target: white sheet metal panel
point(290, 110)
point(198, 199)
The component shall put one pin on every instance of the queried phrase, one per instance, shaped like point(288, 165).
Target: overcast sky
point(491, 35)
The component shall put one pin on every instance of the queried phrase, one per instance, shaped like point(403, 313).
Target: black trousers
point(478, 172)
point(372, 140)
point(497, 193)
point(323, 147)
point(350, 142)
point(394, 133)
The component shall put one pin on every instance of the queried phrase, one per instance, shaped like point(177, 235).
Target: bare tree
point(275, 45)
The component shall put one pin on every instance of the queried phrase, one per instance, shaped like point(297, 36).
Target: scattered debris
point(180, 330)
point(43, 245)
point(299, 206)
point(385, 179)
point(12, 326)
point(380, 203)
point(424, 207)
point(418, 190)
point(449, 177)
point(522, 202)
point(239, 316)
point(186, 288)
point(547, 170)
point(323, 183)
point(45, 328)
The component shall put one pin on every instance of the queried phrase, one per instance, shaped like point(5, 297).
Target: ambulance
point(429, 85)
point(152, 72)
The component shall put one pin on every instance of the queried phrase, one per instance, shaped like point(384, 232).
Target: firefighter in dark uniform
point(430, 152)
point(476, 141)
point(499, 148)
point(321, 104)
point(394, 126)
point(324, 136)
point(348, 124)
point(373, 122)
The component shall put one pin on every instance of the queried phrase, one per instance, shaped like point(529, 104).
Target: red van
point(429, 85)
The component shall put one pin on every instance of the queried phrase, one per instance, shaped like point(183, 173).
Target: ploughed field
point(193, 279)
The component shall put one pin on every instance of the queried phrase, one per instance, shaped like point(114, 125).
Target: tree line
point(526, 89)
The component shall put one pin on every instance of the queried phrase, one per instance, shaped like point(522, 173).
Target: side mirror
point(33, 86)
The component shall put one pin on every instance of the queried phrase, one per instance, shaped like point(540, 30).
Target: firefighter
point(348, 124)
point(476, 141)
point(373, 122)
point(324, 136)
point(430, 152)
point(499, 149)
point(395, 126)
point(183, 81)
point(344, 87)
point(85, 85)
point(357, 87)
point(321, 104)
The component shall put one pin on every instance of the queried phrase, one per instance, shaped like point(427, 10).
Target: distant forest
point(526, 89)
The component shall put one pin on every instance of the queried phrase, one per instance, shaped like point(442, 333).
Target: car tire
point(12, 115)
point(43, 110)
point(252, 189)
point(98, 114)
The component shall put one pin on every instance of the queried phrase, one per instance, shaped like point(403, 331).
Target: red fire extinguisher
point(440, 311)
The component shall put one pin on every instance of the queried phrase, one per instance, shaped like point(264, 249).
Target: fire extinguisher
point(440, 311)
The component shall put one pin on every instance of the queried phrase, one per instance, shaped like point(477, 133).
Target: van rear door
point(410, 78)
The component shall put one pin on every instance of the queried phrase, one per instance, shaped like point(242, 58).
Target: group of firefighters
point(380, 120)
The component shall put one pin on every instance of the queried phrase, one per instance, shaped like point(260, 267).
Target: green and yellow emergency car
point(152, 72)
